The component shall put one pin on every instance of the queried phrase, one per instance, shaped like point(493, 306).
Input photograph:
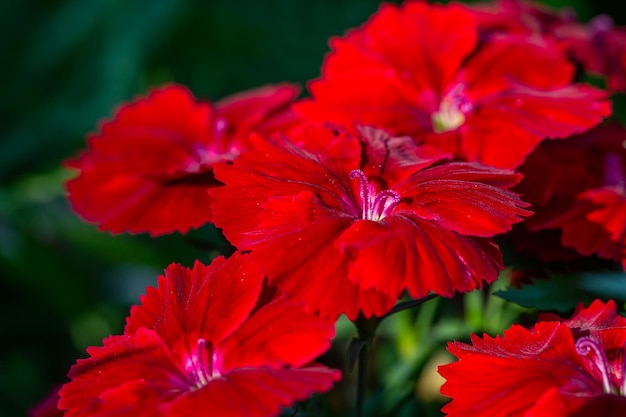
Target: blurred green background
point(67, 64)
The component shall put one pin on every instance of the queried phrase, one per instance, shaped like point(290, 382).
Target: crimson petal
point(253, 392)
point(206, 302)
point(507, 375)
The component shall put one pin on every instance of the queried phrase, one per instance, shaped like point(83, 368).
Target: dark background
point(66, 65)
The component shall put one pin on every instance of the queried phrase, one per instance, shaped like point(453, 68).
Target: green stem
point(408, 304)
point(361, 379)
point(366, 328)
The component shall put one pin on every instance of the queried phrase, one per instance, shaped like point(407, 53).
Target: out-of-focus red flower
point(148, 169)
point(599, 47)
point(204, 340)
point(596, 224)
point(579, 186)
point(570, 368)
point(521, 17)
point(420, 70)
point(345, 223)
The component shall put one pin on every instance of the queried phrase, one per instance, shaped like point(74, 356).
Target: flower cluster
point(430, 132)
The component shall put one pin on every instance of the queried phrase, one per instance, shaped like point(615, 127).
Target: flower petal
point(591, 236)
point(253, 392)
point(507, 59)
point(555, 403)
point(528, 116)
point(279, 333)
point(406, 252)
point(264, 110)
point(206, 302)
point(507, 375)
point(138, 367)
point(469, 199)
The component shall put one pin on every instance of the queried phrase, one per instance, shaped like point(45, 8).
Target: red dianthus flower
point(420, 70)
point(598, 47)
point(570, 368)
point(346, 225)
point(205, 341)
point(148, 170)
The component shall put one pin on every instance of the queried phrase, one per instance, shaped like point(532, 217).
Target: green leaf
point(563, 292)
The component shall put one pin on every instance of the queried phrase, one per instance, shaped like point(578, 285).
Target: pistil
point(585, 346)
point(200, 364)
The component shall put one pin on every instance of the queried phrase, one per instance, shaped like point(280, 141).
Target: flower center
point(452, 110)
point(613, 379)
point(200, 365)
point(375, 205)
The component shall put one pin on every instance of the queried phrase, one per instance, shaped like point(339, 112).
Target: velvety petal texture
point(204, 340)
point(149, 168)
point(331, 228)
point(562, 368)
point(482, 101)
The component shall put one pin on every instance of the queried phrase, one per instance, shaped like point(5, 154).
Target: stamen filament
point(374, 206)
point(364, 190)
point(623, 387)
point(383, 202)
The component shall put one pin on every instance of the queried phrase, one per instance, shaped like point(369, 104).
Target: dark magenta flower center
point(200, 364)
point(375, 205)
point(613, 378)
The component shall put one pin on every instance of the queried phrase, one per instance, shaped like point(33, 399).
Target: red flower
point(345, 225)
point(600, 48)
point(204, 340)
point(576, 367)
point(419, 70)
point(579, 186)
point(148, 169)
